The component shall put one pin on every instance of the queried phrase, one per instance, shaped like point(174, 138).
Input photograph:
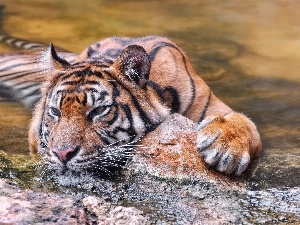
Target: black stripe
point(16, 65)
point(22, 82)
point(142, 114)
point(32, 45)
point(91, 89)
point(5, 38)
point(108, 61)
point(102, 95)
point(69, 83)
point(155, 86)
point(122, 41)
point(35, 92)
point(146, 39)
point(116, 91)
point(84, 101)
point(40, 132)
point(152, 55)
point(175, 103)
point(22, 74)
point(90, 52)
point(149, 125)
point(104, 139)
point(16, 40)
point(107, 132)
point(77, 99)
point(205, 108)
point(93, 97)
point(28, 86)
point(112, 52)
point(61, 100)
point(116, 115)
point(8, 57)
point(120, 129)
point(23, 44)
point(91, 82)
point(78, 73)
point(128, 113)
point(97, 74)
point(169, 95)
point(5, 60)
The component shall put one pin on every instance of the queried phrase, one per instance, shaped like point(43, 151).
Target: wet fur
point(153, 82)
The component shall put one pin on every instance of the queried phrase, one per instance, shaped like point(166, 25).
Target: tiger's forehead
point(86, 87)
point(90, 97)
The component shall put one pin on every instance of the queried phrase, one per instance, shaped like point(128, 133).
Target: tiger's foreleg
point(228, 142)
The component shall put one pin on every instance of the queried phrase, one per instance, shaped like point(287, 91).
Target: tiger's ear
point(134, 64)
point(50, 60)
point(57, 61)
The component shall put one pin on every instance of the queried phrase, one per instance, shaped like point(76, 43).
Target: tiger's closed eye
point(54, 112)
point(98, 112)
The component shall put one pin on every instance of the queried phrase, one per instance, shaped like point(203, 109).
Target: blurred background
point(247, 51)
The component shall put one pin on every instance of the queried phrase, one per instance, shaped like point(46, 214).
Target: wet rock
point(170, 151)
point(113, 215)
point(28, 207)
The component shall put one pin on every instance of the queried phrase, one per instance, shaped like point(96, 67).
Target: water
point(248, 52)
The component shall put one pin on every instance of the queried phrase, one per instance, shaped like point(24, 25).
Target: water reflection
point(248, 52)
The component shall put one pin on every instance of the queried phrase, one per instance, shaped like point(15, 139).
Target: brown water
point(248, 52)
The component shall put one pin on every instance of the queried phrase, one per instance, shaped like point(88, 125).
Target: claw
point(205, 141)
point(243, 163)
point(205, 122)
point(226, 163)
point(211, 156)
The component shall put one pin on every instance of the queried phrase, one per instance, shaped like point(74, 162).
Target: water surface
point(248, 52)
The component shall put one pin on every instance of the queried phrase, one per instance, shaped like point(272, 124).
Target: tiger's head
point(90, 115)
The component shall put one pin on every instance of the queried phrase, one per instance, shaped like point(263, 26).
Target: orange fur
point(160, 77)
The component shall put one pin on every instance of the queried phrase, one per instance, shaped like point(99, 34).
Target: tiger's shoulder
point(110, 48)
point(170, 69)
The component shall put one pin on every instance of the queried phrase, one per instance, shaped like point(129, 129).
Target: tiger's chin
point(106, 164)
point(73, 178)
point(70, 175)
point(105, 172)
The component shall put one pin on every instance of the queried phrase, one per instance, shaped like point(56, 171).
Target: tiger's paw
point(228, 142)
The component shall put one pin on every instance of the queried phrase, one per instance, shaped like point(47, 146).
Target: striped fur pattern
point(97, 105)
point(21, 77)
point(20, 43)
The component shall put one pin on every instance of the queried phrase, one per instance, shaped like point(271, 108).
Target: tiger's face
point(90, 115)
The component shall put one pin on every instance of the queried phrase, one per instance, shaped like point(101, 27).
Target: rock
point(113, 215)
point(28, 207)
point(170, 151)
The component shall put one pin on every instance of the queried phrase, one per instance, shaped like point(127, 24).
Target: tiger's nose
point(65, 154)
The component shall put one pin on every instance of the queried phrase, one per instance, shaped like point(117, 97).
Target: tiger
point(94, 107)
